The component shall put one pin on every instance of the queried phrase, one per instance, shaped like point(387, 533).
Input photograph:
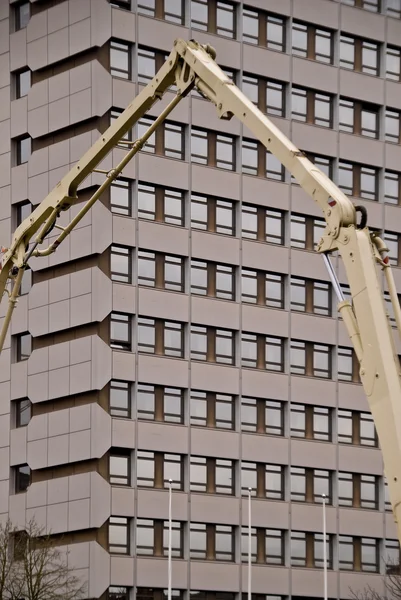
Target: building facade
point(186, 333)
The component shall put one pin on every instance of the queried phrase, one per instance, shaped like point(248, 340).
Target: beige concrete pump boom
point(363, 253)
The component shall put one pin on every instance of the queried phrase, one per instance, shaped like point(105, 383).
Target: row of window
point(218, 345)
point(216, 215)
point(264, 288)
point(219, 476)
point(273, 31)
point(256, 415)
point(212, 344)
point(269, 546)
point(155, 269)
point(219, 151)
point(318, 108)
point(215, 410)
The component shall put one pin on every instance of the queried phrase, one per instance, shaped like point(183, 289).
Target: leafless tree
point(32, 567)
point(392, 586)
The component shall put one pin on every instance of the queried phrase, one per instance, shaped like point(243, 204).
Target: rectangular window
point(357, 491)
point(120, 264)
point(312, 107)
point(393, 63)
point(264, 480)
point(347, 365)
point(359, 55)
point(119, 535)
point(262, 352)
point(214, 16)
point(262, 224)
point(310, 422)
point(23, 346)
point(168, 10)
point(152, 538)
point(262, 416)
point(22, 83)
point(308, 485)
point(256, 160)
point(120, 331)
point(212, 214)
point(167, 140)
point(306, 231)
point(160, 204)
point(267, 545)
point(212, 475)
point(264, 29)
point(156, 469)
point(212, 279)
point(210, 409)
point(149, 62)
point(120, 399)
point(392, 126)
point(23, 149)
point(120, 198)
point(309, 41)
point(308, 295)
point(23, 412)
point(391, 187)
point(213, 149)
point(119, 468)
point(393, 8)
point(158, 403)
point(392, 242)
point(356, 428)
point(358, 554)
point(212, 344)
point(265, 289)
point(22, 15)
point(120, 59)
point(156, 336)
point(161, 271)
point(267, 94)
point(211, 542)
point(359, 118)
point(313, 360)
point(358, 180)
point(22, 478)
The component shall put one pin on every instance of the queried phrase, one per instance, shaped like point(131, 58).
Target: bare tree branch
point(33, 568)
point(392, 585)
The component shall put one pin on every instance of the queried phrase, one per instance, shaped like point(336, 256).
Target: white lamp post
point(324, 498)
point(249, 545)
point(170, 495)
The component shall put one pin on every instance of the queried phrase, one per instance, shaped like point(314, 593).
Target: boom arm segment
point(191, 64)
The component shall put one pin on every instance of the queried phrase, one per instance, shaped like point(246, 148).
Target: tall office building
point(186, 330)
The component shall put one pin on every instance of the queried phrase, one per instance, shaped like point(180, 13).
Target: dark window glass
point(22, 478)
point(23, 410)
point(120, 264)
point(393, 63)
point(119, 469)
point(23, 83)
point(120, 331)
point(24, 150)
point(120, 399)
point(118, 535)
point(120, 63)
point(120, 198)
point(22, 15)
point(24, 346)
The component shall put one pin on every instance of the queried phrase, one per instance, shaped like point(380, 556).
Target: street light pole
point(324, 549)
point(170, 494)
point(249, 545)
